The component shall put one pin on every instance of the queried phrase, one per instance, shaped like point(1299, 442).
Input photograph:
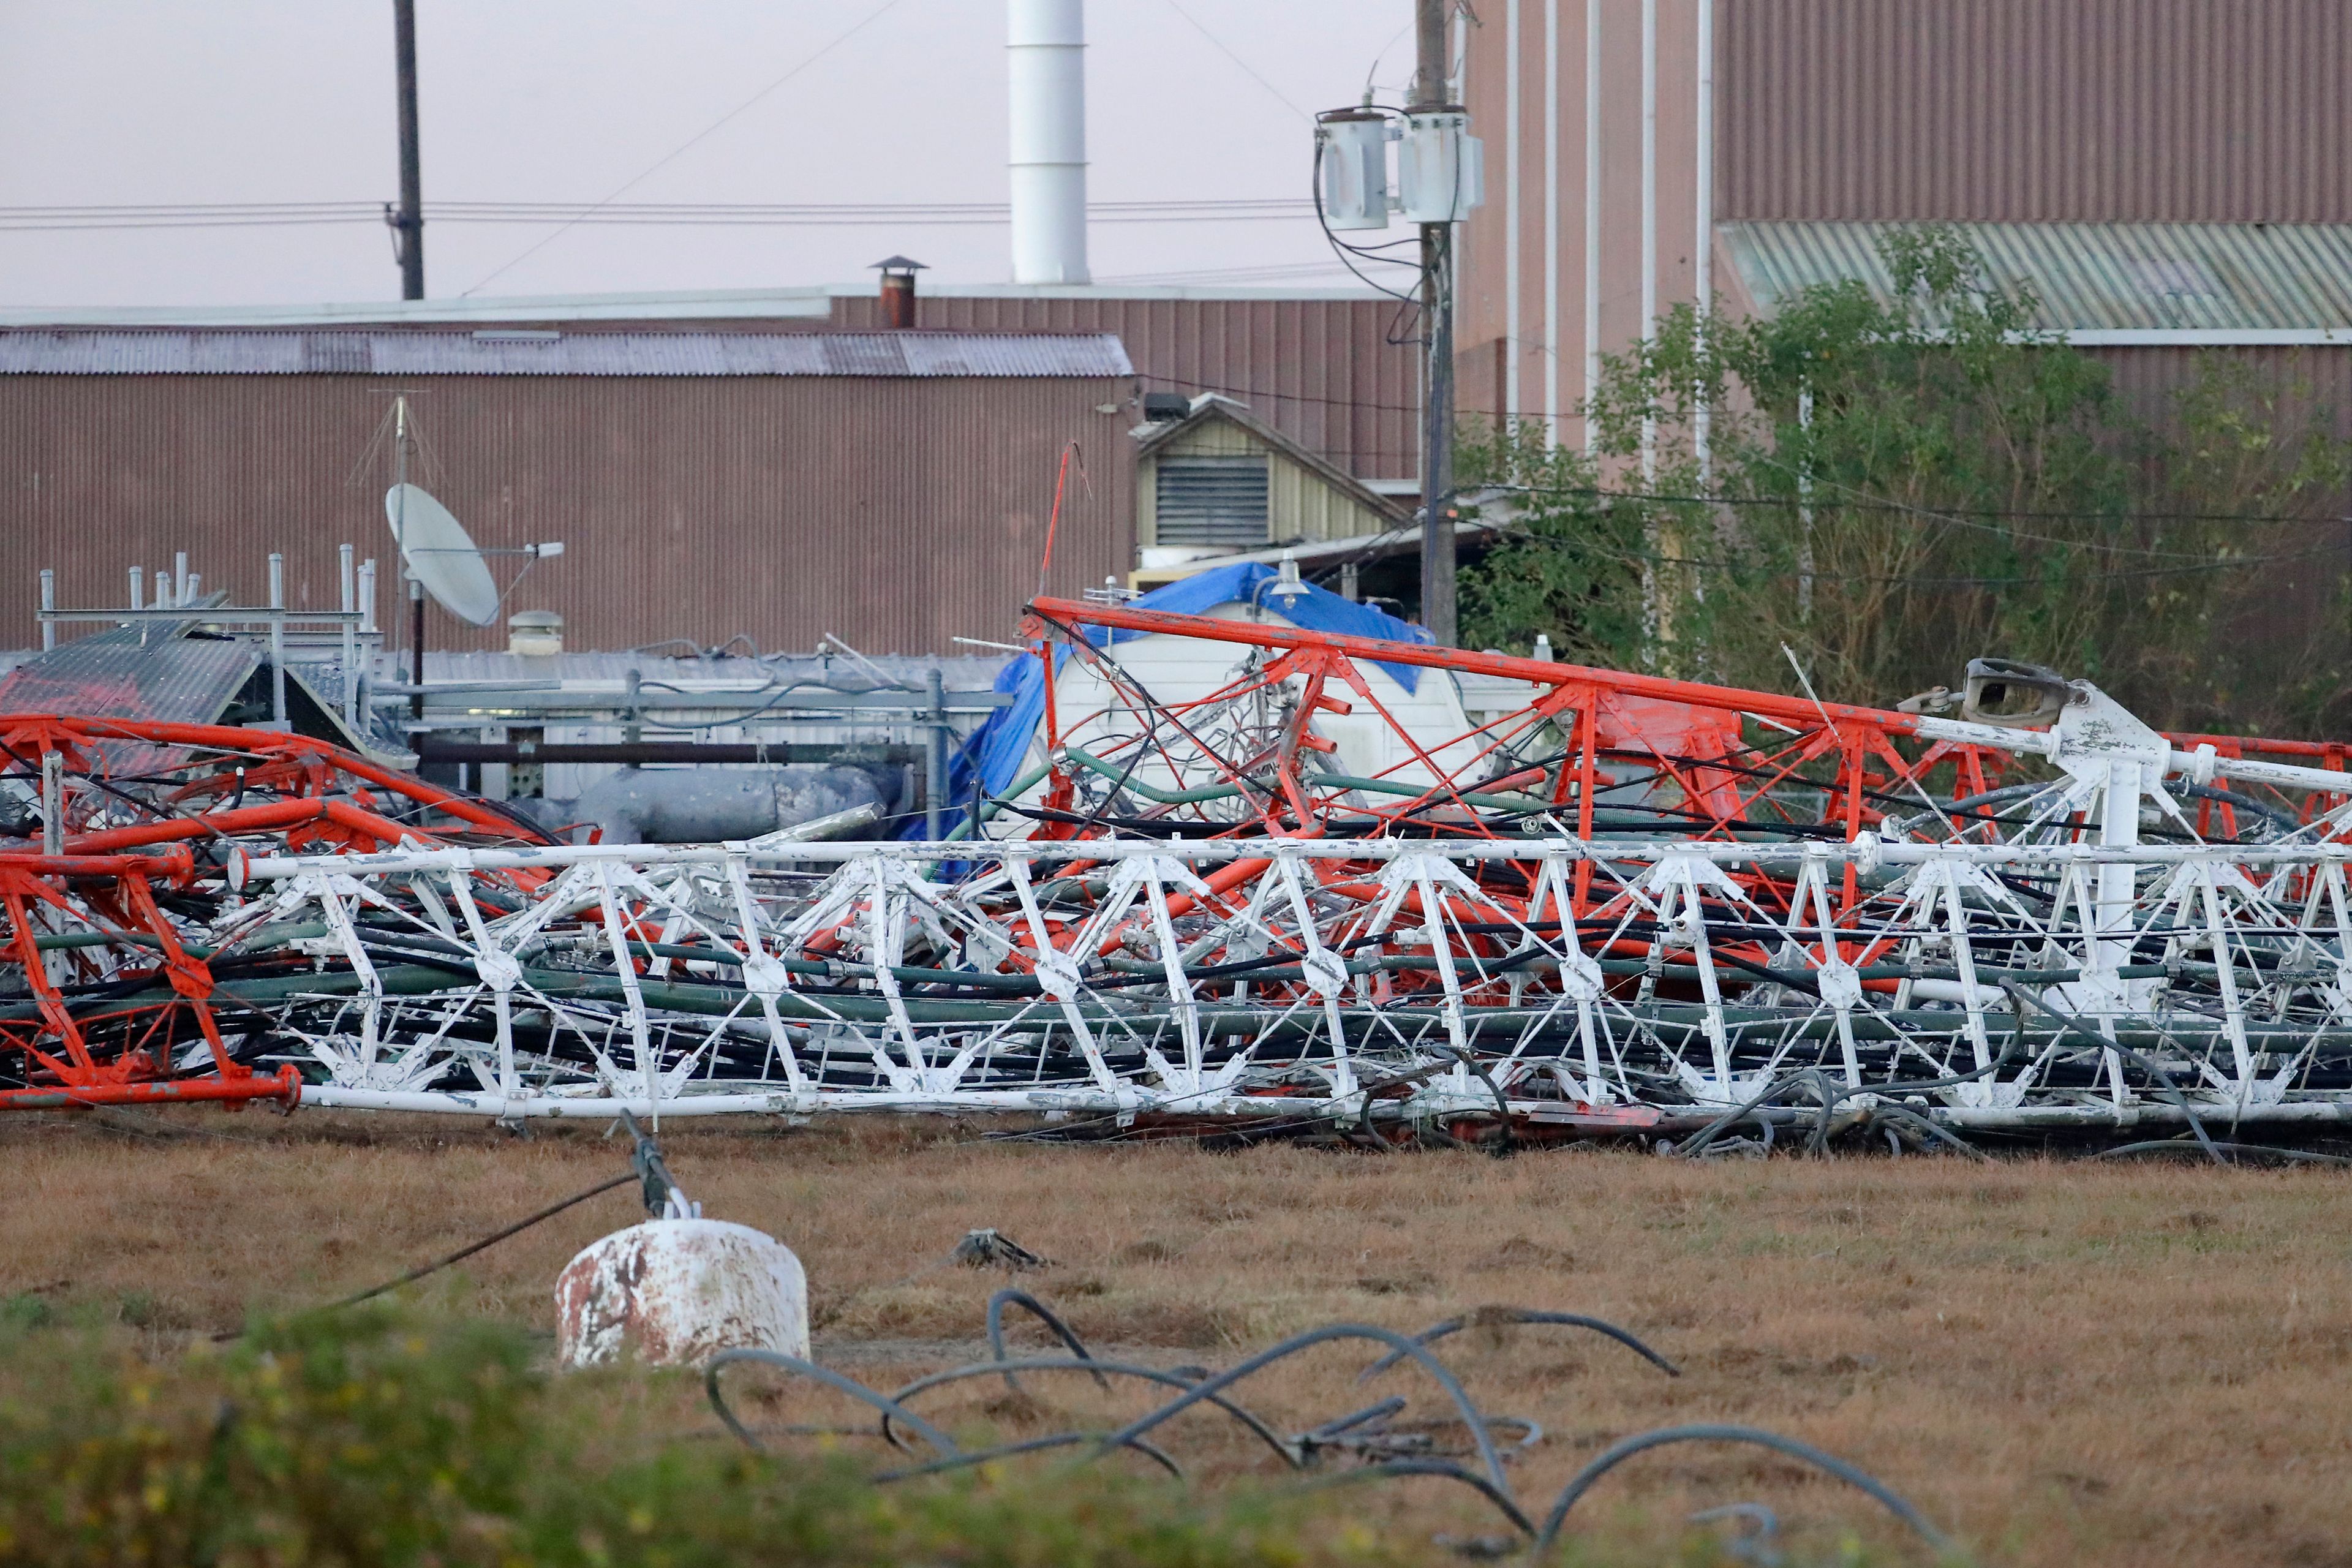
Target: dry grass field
point(2062, 1363)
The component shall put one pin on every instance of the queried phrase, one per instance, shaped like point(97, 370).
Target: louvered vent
point(1217, 501)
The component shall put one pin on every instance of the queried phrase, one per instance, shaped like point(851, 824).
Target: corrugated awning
point(2092, 278)
point(887, 354)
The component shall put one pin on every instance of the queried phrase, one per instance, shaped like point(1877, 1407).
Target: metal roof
point(706, 304)
point(2093, 277)
point(894, 354)
point(127, 674)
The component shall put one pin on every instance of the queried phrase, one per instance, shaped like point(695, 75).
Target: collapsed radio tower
point(1629, 905)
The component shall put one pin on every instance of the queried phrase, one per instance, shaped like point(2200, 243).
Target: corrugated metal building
point(1321, 368)
point(1319, 365)
point(1623, 136)
point(893, 488)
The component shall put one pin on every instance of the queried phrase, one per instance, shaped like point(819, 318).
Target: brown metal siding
point(896, 514)
point(2123, 110)
point(2298, 617)
point(2304, 381)
point(1322, 372)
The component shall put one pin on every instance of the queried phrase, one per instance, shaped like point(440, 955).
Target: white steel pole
point(350, 639)
point(1046, 44)
point(1649, 209)
point(278, 638)
point(1592, 214)
point(1551, 224)
point(1511, 205)
point(1703, 256)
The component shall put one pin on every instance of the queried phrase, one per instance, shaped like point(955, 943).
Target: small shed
point(1214, 481)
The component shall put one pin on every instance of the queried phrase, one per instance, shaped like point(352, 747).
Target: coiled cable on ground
point(1360, 1431)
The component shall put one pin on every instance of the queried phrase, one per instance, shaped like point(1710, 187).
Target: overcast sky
point(107, 102)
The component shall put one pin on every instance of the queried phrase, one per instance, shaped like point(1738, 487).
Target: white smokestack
point(1047, 43)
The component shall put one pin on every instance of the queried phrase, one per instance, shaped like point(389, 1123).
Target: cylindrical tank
point(705, 805)
point(673, 1292)
point(1046, 46)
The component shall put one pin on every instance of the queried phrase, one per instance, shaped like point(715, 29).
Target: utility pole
point(408, 224)
point(1430, 94)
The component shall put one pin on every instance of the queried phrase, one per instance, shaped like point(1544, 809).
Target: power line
point(272, 214)
point(872, 16)
point(1246, 66)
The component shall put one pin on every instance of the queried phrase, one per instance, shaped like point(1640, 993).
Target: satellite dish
point(440, 555)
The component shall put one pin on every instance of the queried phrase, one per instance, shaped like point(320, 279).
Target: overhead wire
point(880, 10)
point(236, 215)
point(1248, 70)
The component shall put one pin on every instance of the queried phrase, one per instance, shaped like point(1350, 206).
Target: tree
point(1893, 485)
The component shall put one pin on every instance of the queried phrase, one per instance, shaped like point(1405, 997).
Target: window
point(1218, 502)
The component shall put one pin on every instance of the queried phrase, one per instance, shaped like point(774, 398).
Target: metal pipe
point(1628, 853)
point(137, 588)
point(1552, 223)
point(351, 640)
point(1591, 215)
point(1649, 282)
point(277, 639)
point(53, 803)
point(1514, 68)
point(416, 648)
point(48, 603)
point(1703, 256)
point(935, 762)
point(677, 752)
point(1046, 44)
point(180, 579)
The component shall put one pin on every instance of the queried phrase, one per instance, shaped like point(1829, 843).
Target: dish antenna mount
point(436, 555)
point(442, 560)
point(439, 558)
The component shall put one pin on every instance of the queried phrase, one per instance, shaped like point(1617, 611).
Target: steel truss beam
point(1558, 917)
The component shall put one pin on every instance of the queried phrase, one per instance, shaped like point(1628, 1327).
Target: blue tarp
point(995, 752)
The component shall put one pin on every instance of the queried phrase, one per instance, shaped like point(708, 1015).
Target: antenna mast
point(407, 567)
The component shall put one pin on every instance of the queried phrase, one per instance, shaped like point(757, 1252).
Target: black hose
point(1502, 1149)
point(2174, 1146)
point(1098, 1368)
point(1944, 1134)
point(1062, 1331)
point(1384, 1470)
point(1312, 1337)
point(930, 1434)
point(1617, 1454)
point(2019, 993)
point(1518, 1315)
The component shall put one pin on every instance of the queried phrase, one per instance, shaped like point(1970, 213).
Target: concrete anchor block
point(674, 1291)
